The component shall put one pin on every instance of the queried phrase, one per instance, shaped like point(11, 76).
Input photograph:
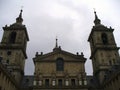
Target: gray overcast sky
point(70, 20)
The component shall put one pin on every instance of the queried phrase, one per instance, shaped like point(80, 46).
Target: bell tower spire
point(19, 19)
point(97, 21)
point(13, 45)
point(104, 51)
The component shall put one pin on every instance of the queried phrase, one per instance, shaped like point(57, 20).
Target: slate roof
point(27, 81)
point(92, 82)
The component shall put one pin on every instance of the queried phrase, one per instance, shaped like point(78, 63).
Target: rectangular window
point(53, 82)
point(46, 82)
point(40, 83)
point(80, 82)
point(0, 88)
point(34, 83)
point(1, 59)
point(85, 82)
point(60, 82)
point(67, 83)
point(73, 82)
point(0, 72)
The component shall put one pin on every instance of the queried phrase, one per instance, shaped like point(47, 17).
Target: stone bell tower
point(104, 52)
point(13, 48)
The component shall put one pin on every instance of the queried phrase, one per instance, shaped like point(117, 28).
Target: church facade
point(59, 69)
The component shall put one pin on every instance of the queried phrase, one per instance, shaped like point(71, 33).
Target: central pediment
point(58, 53)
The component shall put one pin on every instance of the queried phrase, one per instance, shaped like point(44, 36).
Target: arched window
point(59, 64)
point(12, 37)
point(104, 38)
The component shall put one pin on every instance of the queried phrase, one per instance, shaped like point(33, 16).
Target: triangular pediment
point(67, 56)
